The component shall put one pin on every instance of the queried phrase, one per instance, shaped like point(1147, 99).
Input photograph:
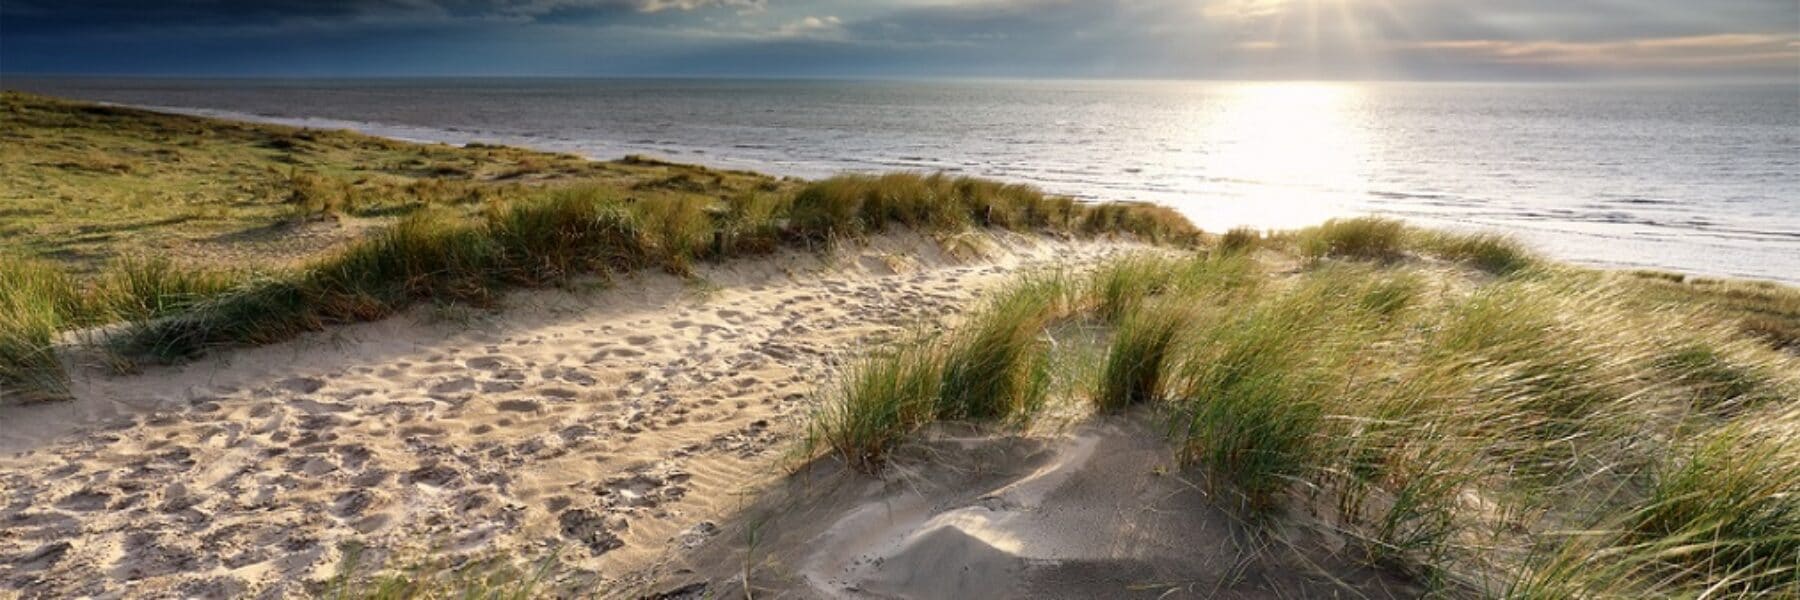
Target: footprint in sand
point(301, 385)
point(146, 556)
point(454, 386)
point(576, 377)
point(557, 393)
point(44, 557)
point(438, 476)
point(85, 501)
point(519, 406)
point(371, 478)
point(487, 363)
point(589, 529)
point(353, 503)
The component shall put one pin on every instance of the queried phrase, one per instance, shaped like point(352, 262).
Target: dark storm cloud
point(39, 17)
point(1079, 38)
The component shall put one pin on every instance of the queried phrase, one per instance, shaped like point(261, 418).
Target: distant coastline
point(1626, 211)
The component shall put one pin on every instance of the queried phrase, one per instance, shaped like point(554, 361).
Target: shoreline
point(1583, 243)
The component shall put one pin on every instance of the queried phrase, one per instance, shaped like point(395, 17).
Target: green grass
point(1531, 435)
point(1493, 253)
point(884, 398)
point(1725, 513)
point(85, 184)
point(1372, 238)
point(1118, 286)
point(148, 288)
point(1240, 239)
point(1718, 380)
point(437, 256)
point(1142, 352)
point(1383, 239)
point(36, 300)
point(993, 367)
point(249, 209)
point(859, 205)
point(490, 579)
point(1764, 311)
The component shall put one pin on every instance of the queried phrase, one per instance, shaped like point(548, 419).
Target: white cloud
point(813, 27)
point(687, 5)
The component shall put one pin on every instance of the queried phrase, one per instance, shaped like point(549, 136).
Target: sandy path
point(612, 424)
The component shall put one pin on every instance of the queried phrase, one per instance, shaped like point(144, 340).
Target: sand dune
point(617, 426)
point(1099, 512)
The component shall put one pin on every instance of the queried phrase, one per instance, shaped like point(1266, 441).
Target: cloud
point(115, 16)
point(1721, 50)
point(539, 7)
point(826, 27)
point(688, 5)
point(1066, 38)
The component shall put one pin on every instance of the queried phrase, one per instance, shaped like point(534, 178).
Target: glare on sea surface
point(1292, 154)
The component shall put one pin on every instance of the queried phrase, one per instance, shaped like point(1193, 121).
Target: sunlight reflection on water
point(1699, 179)
point(1301, 135)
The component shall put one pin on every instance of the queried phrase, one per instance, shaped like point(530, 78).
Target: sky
point(1149, 39)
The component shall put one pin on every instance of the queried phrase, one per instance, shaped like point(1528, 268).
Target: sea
point(1700, 179)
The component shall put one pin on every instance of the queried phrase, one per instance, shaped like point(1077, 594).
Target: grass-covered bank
point(1489, 423)
point(540, 239)
point(547, 239)
point(203, 232)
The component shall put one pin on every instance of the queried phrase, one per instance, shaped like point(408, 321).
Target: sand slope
point(1101, 512)
point(620, 426)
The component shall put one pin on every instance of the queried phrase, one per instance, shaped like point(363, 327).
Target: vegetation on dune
point(495, 578)
point(1372, 238)
point(1766, 311)
point(84, 184)
point(993, 368)
point(1481, 419)
point(35, 301)
point(1526, 435)
point(448, 224)
point(1240, 239)
point(437, 257)
point(1382, 239)
point(1143, 347)
point(856, 205)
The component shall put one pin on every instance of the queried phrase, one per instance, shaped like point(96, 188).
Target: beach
point(352, 367)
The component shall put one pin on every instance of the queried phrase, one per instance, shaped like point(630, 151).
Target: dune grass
point(544, 238)
point(994, 367)
point(36, 299)
point(265, 220)
point(858, 205)
point(1384, 239)
point(1240, 239)
point(1143, 348)
point(1502, 428)
point(494, 578)
point(1371, 238)
point(884, 398)
point(1489, 252)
